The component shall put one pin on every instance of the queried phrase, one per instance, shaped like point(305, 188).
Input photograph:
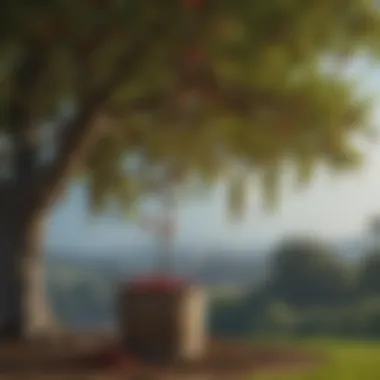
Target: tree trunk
point(31, 193)
point(24, 311)
point(37, 314)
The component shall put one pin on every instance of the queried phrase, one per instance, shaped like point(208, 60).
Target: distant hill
point(82, 289)
point(82, 286)
point(210, 269)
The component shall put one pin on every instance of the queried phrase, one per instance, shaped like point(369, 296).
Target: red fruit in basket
point(157, 284)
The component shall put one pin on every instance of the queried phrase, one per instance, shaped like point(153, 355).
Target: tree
point(369, 280)
point(374, 231)
point(189, 87)
point(306, 273)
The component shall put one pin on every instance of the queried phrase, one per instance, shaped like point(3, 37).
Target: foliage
point(369, 273)
point(229, 318)
point(278, 318)
point(309, 292)
point(77, 293)
point(216, 84)
point(344, 360)
point(305, 272)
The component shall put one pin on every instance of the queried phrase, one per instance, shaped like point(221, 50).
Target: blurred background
point(231, 143)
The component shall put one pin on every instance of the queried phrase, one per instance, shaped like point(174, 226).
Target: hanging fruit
point(192, 5)
point(99, 3)
point(41, 28)
point(192, 55)
point(286, 130)
point(61, 26)
point(211, 95)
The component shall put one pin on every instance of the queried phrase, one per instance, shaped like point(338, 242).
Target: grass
point(346, 360)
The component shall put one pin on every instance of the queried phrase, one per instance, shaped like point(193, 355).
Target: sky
point(330, 207)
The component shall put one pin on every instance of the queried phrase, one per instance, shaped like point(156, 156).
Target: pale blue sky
point(329, 207)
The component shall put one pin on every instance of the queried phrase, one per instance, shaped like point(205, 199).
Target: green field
point(345, 361)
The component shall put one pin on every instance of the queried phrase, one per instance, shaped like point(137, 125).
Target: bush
point(229, 318)
point(278, 318)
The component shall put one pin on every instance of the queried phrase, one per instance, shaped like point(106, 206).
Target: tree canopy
point(369, 274)
point(206, 88)
point(306, 272)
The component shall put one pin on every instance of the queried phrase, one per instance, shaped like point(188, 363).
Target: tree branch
point(22, 123)
point(233, 99)
point(79, 136)
point(85, 49)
